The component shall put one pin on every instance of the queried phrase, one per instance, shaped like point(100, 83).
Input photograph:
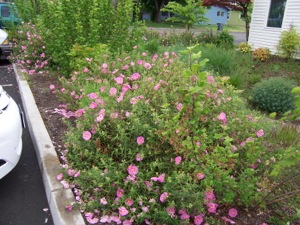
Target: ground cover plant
point(156, 134)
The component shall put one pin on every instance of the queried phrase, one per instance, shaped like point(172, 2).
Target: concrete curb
point(57, 196)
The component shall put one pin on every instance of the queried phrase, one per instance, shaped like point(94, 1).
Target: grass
point(166, 24)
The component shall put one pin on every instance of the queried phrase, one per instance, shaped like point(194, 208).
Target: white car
point(10, 133)
point(5, 45)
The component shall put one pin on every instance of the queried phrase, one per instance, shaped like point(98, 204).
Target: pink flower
point(129, 202)
point(228, 220)
point(200, 176)
point(138, 157)
point(147, 66)
point(127, 222)
point(210, 79)
point(161, 178)
point(90, 219)
point(104, 66)
point(156, 87)
point(123, 211)
point(132, 170)
point(125, 88)
point(140, 140)
point(93, 105)
point(119, 80)
point(163, 196)
point(185, 216)
point(135, 76)
point(212, 207)
point(171, 211)
point(120, 192)
point(59, 177)
point(51, 86)
point(198, 219)
point(69, 207)
point(133, 101)
point(93, 95)
point(85, 70)
point(140, 62)
point(260, 133)
point(103, 201)
point(86, 135)
point(113, 91)
point(209, 196)
point(178, 160)
point(125, 67)
point(222, 117)
point(179, 106)
point(144, 54)
point(232, 212)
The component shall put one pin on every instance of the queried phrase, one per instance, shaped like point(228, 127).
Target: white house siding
point(268, 37)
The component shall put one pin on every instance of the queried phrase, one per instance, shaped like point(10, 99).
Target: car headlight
point(5, 42)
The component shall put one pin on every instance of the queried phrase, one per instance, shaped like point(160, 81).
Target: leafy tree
point(244, 6)
point(189, 13)
point(155, 7)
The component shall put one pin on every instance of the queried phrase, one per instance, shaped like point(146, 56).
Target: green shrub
point(289, 43)
point(224, 39)
point(273, 95)
point(206, 37)
point(220, 61)
point(152, 46)
point(62, 25)
point(244, 47)
point(261, 54)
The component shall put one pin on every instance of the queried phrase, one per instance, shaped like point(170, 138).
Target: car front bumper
point(10, 138)
point(5, 51)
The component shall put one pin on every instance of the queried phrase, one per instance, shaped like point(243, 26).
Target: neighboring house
point(214, 15)
point(269, 19)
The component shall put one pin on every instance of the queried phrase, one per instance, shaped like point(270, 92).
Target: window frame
point(276, 20)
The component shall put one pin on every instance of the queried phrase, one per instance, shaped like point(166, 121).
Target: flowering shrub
point(156, 142)
point(244, 47)
point(29, 49)
point(261, 54)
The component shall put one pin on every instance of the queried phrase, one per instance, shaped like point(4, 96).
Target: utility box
point(220, 27)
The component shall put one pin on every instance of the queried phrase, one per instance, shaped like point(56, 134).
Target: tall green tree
point(188, 13)
point(244, 6)
point(155, 6)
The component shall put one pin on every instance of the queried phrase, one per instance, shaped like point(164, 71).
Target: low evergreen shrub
point(273, 95)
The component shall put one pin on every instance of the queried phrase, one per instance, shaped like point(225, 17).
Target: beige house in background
point(269, 19)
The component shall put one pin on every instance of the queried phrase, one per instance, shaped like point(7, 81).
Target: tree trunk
point(158, 5)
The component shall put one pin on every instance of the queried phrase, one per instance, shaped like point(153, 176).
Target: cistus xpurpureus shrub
point(29, 49)
point(273, 95)
point(158, 142)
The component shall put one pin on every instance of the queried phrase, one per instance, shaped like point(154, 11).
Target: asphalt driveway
point(22, 193)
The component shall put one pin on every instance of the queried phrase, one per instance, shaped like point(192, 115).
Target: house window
point(5, 11)
point(222, 13)
point(276, 13)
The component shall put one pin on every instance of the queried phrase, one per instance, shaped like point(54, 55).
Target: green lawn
point(164, 24)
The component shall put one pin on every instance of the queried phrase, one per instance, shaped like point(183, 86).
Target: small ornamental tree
point(189, 13)
point(244, 6)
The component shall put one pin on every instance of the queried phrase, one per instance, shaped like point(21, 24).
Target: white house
point(269, 19)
